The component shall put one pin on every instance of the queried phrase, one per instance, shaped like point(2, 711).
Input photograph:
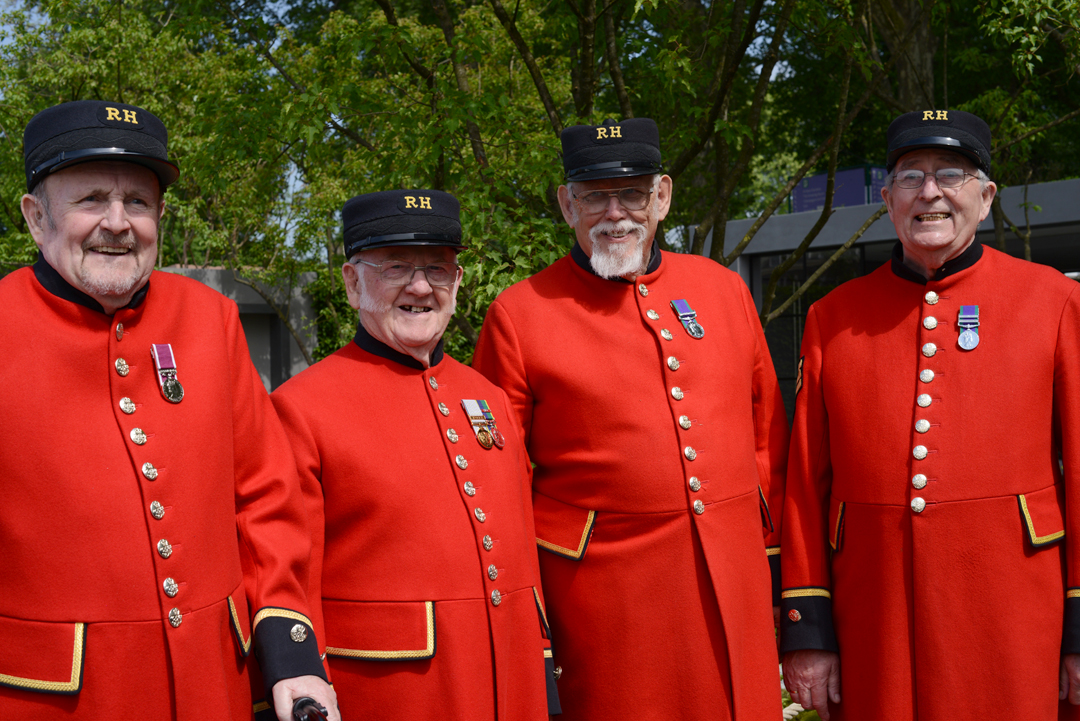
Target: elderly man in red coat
point(651, 409)
point(419, 489)
point(929, 562)
point(151, 523)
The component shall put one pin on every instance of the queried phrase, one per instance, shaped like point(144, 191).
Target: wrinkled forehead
point(937, 158)
point(103, 175)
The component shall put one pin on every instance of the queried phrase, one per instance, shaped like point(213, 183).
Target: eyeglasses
point(630, 198)
point(401, 272)
point(947, 178)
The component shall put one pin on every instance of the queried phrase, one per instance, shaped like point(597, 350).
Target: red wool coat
point(98, 521)
point(927, 516)
point(430, 586)
point(658, 484)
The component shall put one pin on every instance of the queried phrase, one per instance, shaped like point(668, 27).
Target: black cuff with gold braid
point(774, 570)
point(806, 620)
point(554, 707)
point(285, 646)
point(1070, 636)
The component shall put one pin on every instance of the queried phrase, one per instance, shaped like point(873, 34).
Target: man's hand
point(813, 679)
point(1069, 686)
point(288, 690)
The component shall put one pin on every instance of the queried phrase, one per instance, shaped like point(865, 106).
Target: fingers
point(1063, 683)
point(834, 684)
point(819, 701)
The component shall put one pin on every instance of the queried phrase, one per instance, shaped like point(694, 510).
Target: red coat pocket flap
point(1043, 515)
point(391, 631)
point(562, 529)
point(241, 619)
point(41, 656)
point(836, 523)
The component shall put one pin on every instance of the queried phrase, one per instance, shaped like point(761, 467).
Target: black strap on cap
point(70, 156)
point(627, 168)
point(375, 241)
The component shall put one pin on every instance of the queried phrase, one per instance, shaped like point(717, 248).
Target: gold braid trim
point(805, 592)
point(427, 652)
point(34, 684)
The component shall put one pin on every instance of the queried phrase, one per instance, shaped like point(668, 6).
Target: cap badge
point(969, 323)
point(165, 363)
point(114, 114)
point(412, 200)
point(608, 131)
point(935, 115)
point(688, 318)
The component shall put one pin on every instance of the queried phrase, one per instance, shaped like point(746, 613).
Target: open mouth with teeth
point(928, 217)
point(110, 250)
point(415, 308)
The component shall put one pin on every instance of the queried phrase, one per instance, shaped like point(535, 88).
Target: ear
point(351, 277)
point(987, 199)
point(565, 204)
point(34, 214)
point(887, 197)
point(663, 197)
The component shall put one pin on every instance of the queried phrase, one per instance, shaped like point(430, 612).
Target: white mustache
point(103, 237)
point(607, 227)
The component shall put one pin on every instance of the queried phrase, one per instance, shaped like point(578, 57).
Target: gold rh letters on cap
point(112, 114)
point(928, 115)
point(129, 117)
point(942, 115)
point(425, 203)
point(616, 131)
point(601, 133)
point(410, 201)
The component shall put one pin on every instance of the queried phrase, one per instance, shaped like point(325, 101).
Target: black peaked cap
point(955, 130)
point(401, 217)
point(86, 130)
point(611, 150)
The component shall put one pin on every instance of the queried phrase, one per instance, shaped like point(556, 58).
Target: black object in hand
point(308, 709)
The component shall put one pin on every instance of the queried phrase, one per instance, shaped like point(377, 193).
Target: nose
point(927, 191)
point(418, 284)
point(116, 219)
point(615, 210)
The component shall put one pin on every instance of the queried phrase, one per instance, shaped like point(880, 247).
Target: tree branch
point(447, 24)
point(1036, 131)
point(614, 68)
point(530, 62)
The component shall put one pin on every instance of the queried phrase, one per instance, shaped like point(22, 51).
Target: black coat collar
point(579, 257)
point(53, 282)
point(951, 267)
point(376, 347)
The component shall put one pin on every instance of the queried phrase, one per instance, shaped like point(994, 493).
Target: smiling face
point(934, 224)
point(409, 318)
point(97, 226)
point(616, 239)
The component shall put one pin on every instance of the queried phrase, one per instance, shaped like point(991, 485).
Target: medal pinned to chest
point(968, 321)
point(483, 424)
point(165, 363)
point(688, 318)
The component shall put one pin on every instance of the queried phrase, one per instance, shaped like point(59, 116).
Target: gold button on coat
point(931, 298)
point(493, 572)
point(488, 543)
point(929, 350)
point(666, 334)
point(119, 331)
point(924, 400)
point(695, 484)
point(919, 481)
point(642, 289)
point(677, 393)
point(690, 453)
point(684, 421)
point(480, 515)
point(470, 489)
point(122, 367)
point(452, 435)
point(496, 597)
point(461, 462)
point(157, 510)
point(922, 425)
point(443, 409)
point(171, 589)
point(433, 383)
point(653, 315)
point(926, 375)
point(126, 405)
point(175, 617)
point(164, 548)
point(138, 436)
point(929, 322)
point(919, 452)
point(918, 504)
point(673, 363)
point(699, 507)
point(149, 471)
point(298, 633)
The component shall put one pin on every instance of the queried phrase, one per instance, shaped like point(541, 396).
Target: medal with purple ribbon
point(969, 322)
point(165, 363)
point(688, 318)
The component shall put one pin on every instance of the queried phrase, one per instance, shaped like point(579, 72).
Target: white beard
point(110, 284)
point(610, 260)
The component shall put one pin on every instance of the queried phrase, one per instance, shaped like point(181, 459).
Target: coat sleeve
point(275, 545)
point(771, 442)
point(806, 605)
point(1067, 430)
point(498, 357)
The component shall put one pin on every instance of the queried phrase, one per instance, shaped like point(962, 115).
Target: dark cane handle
point(308, 709)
